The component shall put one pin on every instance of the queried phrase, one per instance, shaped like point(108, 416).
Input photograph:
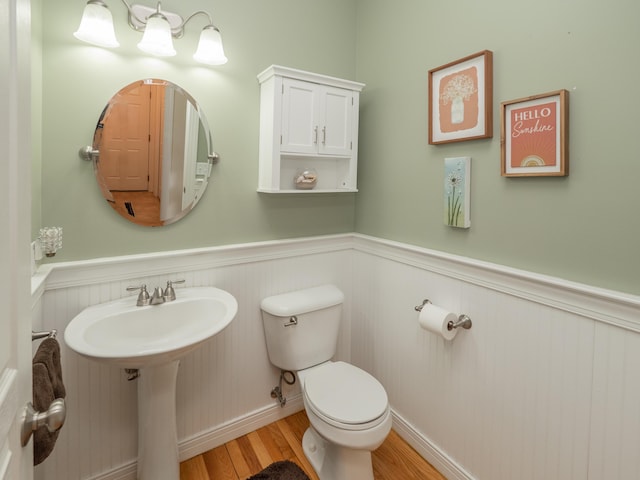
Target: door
point(336, 107)
point(124, 150)
point(191, 128)
point(15, 214)
point(300, 129)
point(316, 119)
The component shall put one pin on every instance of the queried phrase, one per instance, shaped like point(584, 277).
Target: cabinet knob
point(315, 135)
point(324, 135)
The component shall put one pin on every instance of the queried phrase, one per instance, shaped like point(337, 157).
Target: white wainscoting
point(223, 388)
point(545, 385)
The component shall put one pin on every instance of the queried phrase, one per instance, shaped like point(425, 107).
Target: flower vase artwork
point(459, 101)
point(457, 191)
point(457, 110)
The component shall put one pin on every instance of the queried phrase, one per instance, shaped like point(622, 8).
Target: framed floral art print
point(461, 99)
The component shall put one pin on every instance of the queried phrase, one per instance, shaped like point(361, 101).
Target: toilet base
point(334, 462)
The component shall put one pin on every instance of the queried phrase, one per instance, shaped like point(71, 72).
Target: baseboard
point(238, 427)
point(124, 472)
point(428, 450)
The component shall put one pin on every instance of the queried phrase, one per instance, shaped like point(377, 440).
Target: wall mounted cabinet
point(308, 122)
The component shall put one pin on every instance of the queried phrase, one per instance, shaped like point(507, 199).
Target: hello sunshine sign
point(534, 135)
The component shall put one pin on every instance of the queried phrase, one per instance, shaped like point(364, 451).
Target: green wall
point(36, 116)
point(584, 227)
point(79, 79)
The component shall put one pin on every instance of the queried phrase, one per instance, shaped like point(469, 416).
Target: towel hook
point(53, 418)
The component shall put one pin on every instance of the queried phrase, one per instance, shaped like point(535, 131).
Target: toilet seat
point(345, 396)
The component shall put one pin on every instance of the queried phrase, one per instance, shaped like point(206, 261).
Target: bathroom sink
point(152, 339)
point(123, 334)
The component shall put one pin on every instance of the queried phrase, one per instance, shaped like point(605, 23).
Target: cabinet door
point(334, 125)
point(300, 106)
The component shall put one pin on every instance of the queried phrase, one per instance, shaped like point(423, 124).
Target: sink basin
point(122, 334)
point(152, 339)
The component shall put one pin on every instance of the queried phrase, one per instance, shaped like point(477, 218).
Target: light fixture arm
point(177, 31)
point(199, 12)
point(141, 21)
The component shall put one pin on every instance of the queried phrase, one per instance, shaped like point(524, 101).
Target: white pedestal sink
point(152, 339)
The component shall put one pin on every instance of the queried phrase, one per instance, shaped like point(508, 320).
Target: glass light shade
point(96, 26)
point(210, 49)
point(157, 37)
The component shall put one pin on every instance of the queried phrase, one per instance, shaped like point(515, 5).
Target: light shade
point(210, 49)
point(96, 26)
point(157, 37)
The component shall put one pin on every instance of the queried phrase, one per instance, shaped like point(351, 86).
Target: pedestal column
point(157, 431)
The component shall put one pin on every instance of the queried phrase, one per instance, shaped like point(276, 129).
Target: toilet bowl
point(349, 417)
point(348, 409)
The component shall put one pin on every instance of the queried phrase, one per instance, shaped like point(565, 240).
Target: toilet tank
point(312, 336)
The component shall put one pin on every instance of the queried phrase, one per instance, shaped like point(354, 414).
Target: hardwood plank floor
point(145, 207)
point(282, 440)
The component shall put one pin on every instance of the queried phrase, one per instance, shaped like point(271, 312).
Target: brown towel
point(48, 353)
point(284, 470)
point(47, 386)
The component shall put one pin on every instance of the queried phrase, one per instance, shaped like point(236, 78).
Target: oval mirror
point(152, 152)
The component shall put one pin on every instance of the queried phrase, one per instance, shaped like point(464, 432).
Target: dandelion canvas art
point(457, 191)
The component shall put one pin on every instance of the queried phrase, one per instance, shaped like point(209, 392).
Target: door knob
point(89, 153)
point(53, 418)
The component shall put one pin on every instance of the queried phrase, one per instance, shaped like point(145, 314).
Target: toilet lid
point(345, 394)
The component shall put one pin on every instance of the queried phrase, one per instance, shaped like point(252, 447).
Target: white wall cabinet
point(307, 122)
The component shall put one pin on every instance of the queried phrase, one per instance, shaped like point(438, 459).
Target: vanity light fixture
point(160, 28)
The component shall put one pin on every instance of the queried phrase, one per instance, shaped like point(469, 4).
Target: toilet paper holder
point(463, 321)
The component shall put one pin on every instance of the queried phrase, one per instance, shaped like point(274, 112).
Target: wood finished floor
point(145, 207)
point(282, 440)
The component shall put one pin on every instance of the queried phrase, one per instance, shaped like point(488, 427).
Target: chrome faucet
point(159, 296)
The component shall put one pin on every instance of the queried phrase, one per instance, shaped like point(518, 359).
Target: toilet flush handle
point(293, 320)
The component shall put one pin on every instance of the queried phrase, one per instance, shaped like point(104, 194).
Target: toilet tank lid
point(303, 301)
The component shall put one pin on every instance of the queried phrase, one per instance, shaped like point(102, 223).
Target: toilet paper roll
point(435, 319)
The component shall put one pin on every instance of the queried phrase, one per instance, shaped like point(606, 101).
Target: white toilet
point(348, 409)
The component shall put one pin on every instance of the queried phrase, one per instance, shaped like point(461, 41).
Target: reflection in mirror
point(152, 152)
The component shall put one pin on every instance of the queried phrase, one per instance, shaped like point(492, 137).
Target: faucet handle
point(169, 292)
point(143, 297)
